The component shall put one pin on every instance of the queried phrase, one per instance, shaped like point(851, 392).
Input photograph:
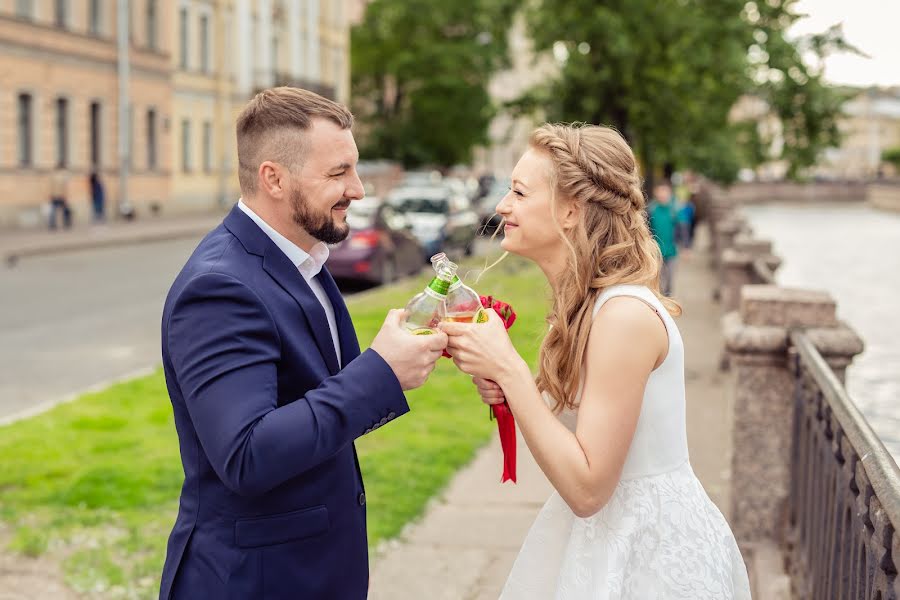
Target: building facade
point(59, 103)
point(192, 65)
point(871, 125)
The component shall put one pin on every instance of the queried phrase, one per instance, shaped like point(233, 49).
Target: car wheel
point(388, 272)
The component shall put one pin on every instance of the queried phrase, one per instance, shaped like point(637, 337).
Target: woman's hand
point(482, 350)
point(490, 392)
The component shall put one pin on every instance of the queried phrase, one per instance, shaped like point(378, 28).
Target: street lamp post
point(124, 205)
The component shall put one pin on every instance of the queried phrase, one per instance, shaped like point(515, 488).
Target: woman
point(605, 418)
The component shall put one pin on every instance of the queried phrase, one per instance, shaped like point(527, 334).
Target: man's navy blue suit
point(273, 504)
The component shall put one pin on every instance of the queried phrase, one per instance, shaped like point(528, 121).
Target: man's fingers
point(395, 317)
point(436, 341)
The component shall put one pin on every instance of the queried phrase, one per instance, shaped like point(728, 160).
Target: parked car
point(380, 247)
point(441, 220)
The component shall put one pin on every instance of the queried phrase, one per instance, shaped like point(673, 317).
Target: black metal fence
point(844, 503)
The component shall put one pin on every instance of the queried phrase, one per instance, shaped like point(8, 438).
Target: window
point(62, 132)
point(25, 9)
point(62, 10)
point(25, 133)
point(151, 139)
point(151, 24)
point(207, 147)
point(95, 18)
point(95, 134)
point(186, 146)
point(183, 38)
point(204, 43)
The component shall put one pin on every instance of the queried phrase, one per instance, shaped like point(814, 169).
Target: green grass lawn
point(95, 482)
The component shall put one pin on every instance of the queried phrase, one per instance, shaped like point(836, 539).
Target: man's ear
point(271, 178)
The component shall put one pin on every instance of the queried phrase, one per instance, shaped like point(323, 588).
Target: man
point(266, 379)
point(663, 222)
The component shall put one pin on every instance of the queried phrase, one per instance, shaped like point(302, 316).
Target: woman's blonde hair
point(611, 244)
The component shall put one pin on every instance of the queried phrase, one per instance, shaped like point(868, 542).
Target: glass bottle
point(429, 307)
point(463, 303)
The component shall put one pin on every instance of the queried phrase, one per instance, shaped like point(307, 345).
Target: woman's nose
point(502, 207)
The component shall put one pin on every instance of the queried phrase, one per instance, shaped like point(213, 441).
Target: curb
point(42, 407)
point(12, 256)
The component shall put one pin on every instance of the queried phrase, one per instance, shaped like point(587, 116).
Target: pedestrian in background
point(663, 222)
point(59, 188)
point(686, 214)
point(98, 198)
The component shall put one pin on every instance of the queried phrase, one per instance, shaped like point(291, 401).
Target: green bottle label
point(439, 286)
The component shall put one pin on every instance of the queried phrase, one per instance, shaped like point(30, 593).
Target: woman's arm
point(627, 341)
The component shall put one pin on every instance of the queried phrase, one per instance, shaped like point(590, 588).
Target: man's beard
point(322, 227)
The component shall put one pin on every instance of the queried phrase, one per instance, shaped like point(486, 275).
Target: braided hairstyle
point(611, 244)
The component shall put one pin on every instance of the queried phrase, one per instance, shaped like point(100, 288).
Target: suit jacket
point(273, 504)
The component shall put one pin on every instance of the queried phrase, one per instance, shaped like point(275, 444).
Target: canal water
point(853, 252)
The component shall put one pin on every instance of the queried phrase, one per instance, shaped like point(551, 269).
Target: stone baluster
point(738, 267)
point(757, 345)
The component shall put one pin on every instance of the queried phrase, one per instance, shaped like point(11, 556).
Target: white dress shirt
point(308, 263)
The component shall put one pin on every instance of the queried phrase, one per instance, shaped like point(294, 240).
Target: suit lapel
point(283, 271)
point(286, 274)
point(346, 334)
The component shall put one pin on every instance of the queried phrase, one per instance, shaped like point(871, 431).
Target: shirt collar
point(308, 263)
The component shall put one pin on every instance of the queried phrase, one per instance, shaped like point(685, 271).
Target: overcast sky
point(873, 26)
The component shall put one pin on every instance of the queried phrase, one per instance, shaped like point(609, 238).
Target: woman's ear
point(571, 214)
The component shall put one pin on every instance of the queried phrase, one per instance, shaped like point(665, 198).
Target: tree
point(892, 156)
point(666, 73)
point(420, 75)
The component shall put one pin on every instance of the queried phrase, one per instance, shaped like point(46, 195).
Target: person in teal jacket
point(663, 223)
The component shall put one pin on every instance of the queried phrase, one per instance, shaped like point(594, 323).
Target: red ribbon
point(506, 423)
point(506, 427)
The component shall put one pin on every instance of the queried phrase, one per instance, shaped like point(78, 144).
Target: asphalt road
point(72, 321)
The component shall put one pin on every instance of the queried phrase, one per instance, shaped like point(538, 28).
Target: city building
point(191, 66)
point(60, 100)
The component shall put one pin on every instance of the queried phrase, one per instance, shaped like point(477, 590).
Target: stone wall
point(885, 196)
point(784, 191)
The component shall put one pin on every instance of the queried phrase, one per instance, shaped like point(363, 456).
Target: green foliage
point(420, 75)
point(666, 73)
point(806, 106)
point(892, 155)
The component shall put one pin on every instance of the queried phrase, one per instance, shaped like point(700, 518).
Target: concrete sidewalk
point(15, 244)
point(465, 545)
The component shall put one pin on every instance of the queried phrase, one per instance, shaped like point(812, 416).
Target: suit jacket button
point(391, 415)
point(383, 421)
point(362, 498)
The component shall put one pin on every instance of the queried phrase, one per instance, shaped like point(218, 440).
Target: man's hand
point(491, 393)
point(411, 357)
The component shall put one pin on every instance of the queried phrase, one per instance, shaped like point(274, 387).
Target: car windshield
point(436, 206)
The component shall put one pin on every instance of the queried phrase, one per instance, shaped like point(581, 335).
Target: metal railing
point(844, 501)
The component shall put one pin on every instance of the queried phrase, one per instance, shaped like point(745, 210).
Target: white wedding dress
point(659, 537)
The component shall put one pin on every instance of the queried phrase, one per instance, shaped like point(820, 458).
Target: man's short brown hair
point(267, 128)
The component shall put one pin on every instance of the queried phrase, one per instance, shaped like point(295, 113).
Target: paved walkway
point(18, 244)
point(466, 543)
